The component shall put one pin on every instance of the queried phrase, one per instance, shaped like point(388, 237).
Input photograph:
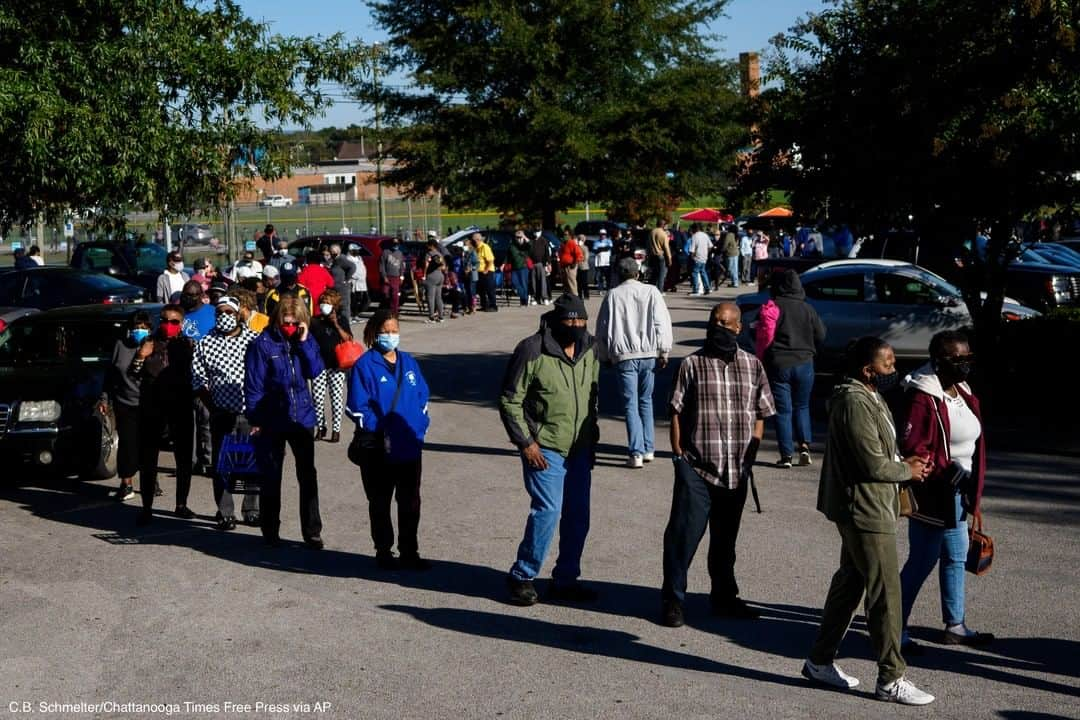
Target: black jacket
point(799, 331)
point(540, 251)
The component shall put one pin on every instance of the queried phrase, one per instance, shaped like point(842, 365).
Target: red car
point(370, 247)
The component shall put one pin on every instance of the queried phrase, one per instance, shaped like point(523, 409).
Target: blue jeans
point(636, 379)
point(733, 270)
point(791, 388)
point(520, 278)
point(563, 486)
point(658, 265)
point(699, 277)
point(930, 545)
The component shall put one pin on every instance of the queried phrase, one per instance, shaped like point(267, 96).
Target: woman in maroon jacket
point(945, 425)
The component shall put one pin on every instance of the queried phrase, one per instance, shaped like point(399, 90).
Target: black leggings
point(179, 417)
point(127, 433)
point(382, 480)
point(270, 449)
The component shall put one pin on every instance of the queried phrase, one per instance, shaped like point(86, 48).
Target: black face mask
point(953, 371)
point(567, 334)
point(885, 383)
point(721, 342)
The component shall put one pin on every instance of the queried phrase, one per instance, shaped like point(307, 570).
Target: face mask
point(139, 334)
point(387, 342)
point(567, 334)
point(955, 370)
point(326, 309)
point(282, 251)
point(289, 331)
point(721, 342)
point(885, 383)
point(170, 330)
point(225, 323)
point(176, 266)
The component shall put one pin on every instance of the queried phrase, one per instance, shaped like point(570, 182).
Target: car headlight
point(39, 411)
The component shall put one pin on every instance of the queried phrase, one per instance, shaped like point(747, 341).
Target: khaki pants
point(868, 565)
point(570, 279)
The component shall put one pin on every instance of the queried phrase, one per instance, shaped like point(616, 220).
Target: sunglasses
point(290, 324)
point(171, 321)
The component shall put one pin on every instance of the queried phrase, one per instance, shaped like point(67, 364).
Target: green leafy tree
point(947, 115)
point(531, 107)
point(147, 104)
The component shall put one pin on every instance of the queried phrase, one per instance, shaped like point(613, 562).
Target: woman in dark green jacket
point(861, 476)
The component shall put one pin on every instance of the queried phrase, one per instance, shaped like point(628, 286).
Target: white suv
point(275, 201)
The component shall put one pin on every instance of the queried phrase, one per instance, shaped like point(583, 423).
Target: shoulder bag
point(980, 548)
point(365, 441)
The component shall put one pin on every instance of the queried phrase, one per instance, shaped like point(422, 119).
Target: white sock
point(960, 629)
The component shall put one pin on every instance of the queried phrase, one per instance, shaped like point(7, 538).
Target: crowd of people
point(260, 363)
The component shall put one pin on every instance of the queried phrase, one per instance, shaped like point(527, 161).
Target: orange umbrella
point(777, 212)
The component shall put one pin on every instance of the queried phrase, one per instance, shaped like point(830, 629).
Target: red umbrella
point(707, 215)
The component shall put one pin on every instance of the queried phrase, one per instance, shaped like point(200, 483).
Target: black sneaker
point(227, 523)
point(671, 614)
point(522, 592)
point(784, 462)
point(736, 609)
point(386, 561)
point(200, 469)
point(414, 562)
point(314, 542)
point(158, 492)
point(183, 511)
point(273, 541)
point(573, 593)
point(124, 492)
point(251, 519)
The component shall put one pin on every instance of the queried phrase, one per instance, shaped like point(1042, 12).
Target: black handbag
point(366, 441)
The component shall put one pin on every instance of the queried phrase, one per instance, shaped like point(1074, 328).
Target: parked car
point(370, 247)
point(194, 235)
point(901, 303)
point(136, 263)
point(276, 201)
point(51, 287)
point(591, 229)
point(52, 370)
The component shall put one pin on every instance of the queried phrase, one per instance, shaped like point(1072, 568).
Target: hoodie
point(799, 330)
point(926, 434)
point(861, 472)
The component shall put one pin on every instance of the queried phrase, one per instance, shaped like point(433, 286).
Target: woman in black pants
point(121, 394)
point(388, 400)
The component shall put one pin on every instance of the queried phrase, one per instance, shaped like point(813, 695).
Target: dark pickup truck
point(136, 263)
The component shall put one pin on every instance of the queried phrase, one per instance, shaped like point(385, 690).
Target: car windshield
point(150, 258)
point(50, 343)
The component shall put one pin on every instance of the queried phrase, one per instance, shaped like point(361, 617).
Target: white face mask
point(176, 266)
point(326, 309)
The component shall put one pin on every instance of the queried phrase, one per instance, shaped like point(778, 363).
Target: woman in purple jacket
point(277, 368)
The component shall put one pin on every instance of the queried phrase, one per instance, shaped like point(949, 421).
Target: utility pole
point(378, 138)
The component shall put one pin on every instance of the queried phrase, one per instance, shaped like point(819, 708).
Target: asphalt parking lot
point(94, 610)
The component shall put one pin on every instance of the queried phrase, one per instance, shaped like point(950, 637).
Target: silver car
point(903, 304)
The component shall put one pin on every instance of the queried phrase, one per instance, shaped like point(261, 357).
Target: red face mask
point(170, 330)
point(288, 331)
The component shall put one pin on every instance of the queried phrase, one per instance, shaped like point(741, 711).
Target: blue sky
point(749, 25)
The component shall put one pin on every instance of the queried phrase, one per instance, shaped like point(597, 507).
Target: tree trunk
point(547, 220)
point(1000, 253)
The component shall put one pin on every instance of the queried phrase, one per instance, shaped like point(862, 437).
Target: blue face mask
point(386, 342)
point(139, 334)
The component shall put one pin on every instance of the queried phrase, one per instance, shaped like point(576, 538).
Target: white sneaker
point(830, 675)
point(635, 461)
point(648, 457)
point(902, 691)
point(697, 293)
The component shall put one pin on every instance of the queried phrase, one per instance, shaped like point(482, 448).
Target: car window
point(32, 343)
point(851, 287)
point(150, 258)
point(97, 259)
point(11, 285)
point(904, 290)
point(45, 290)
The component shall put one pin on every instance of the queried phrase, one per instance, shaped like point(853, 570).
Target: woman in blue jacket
point(388, 400)
point(277, 368)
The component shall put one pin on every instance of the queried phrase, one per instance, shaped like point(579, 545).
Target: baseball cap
point(603, 231)
point(270, 272)
point(432, 234)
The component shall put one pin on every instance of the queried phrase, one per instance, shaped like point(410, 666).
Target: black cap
point(219, 286)
point(570, 307)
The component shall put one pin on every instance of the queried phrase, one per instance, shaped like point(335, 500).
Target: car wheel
point(101, 456)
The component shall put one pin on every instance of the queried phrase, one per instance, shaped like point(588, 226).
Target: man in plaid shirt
point(718, 409)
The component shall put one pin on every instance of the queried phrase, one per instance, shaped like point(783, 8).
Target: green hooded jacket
point(860, 473)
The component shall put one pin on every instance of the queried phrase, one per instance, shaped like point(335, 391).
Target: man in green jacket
point(548, 405)
point(859, 490)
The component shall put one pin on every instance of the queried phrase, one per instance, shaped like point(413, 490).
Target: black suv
point(133, 262)
point(52, 370)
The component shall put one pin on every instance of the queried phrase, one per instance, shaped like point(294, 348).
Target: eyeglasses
point(171, 321)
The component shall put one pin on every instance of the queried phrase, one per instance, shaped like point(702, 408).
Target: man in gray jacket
point(633, 333)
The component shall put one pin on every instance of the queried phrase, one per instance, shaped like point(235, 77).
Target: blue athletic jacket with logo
point(371, 393)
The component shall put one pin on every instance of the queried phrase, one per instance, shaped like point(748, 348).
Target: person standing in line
point(790, 333)
point(434, 280)
point(388, 400)
point(571, 257)
point(633, 332)
point(342, 269)
point(358, 287)
point(217, 377)
point(518, 257)
point(279, 410)
point(719, 405)
point(859, 491)
point(121, 395)
point(549, 407)
point(315, 276)
point(249, 309)
point(602, 261)
point(281, 257)
point(660, 253)
point(761, 251)
point(171, 282)
point(330, 329)
point(198, 323)
point(486, 274)
point(162, 365)
point(746, 252)
point(470, 274)
point(944, 423)
point(540, 254)
point(583, 268)
point(620, 248)
point(700, 245)
point(731, 257)
point(267, 242)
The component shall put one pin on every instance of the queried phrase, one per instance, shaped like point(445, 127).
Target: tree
point(147, 104)
point(531, 107)
point(944, 114)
